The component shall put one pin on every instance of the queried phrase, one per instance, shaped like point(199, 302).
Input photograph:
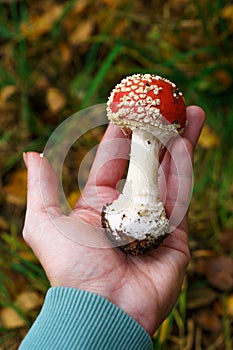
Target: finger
point(106, 172)
point(42, 191)
point(196, 119)
point(179, 183)
point(111, 158)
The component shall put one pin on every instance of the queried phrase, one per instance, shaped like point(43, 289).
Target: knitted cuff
point(74, 319)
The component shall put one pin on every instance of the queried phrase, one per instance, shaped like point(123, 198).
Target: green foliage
point(81, 49)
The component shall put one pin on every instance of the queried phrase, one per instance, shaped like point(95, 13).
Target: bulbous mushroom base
point(125, 239)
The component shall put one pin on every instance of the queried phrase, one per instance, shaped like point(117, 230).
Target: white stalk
point(138, 210)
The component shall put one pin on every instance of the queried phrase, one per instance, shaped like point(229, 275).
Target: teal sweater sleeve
point(73, 319)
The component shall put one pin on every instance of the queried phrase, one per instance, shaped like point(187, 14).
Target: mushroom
point(153, 109)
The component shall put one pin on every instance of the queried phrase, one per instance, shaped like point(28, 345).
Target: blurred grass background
point(58, 57)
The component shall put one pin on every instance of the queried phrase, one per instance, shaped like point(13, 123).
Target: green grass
point(189, 42)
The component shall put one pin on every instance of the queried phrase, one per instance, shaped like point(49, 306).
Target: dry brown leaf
point(3, 223)
point(11, 319)
point(208, 139)
point(6, 92)
point(226, 241)
point(25, 301)
point(120, 27)
point(78, 12)
point(66, 53)
point(38, 26)
point(219, 272)
point(229, 306)
point(28, 300)
point(224, 77)
point(16, 189)
point(79, 7)
point(199, 297)
point(203, 253)
point(208, 320)
point(42, 82)
point(27, 255)
point(55, 100)
point(82, 32)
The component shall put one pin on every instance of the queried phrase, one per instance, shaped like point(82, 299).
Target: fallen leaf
point(224, 77)
point(42, 82)
point(28, 300)
point(208, 320)
point(219, 272)
point(27, 255)
point(80, 6)
point(6, 92)
point(16, 189)
point(199, 297)
point(227, 13)
point(55, 100)
point(120, 27)
point(82, 32)
point(73, 198)
point(229, 306)
point(66, 54)
point(4, 225)
point(70, 21)
point(39, 25)
point(208, 139)
point(11, 319)
point(226, 241)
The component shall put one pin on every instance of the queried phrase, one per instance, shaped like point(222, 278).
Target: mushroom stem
point(142, 177)
point(138, 213)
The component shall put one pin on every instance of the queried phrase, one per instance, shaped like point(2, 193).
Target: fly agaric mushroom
point(153, 109)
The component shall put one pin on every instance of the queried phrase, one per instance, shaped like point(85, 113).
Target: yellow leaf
point(73, 198)
point(39, 25)
point(6, 93)
point(11, 319)
point(55, 100)
point(28, 300)
point(229, 305)
point(25, 301)
point(162, 332)
point(208, 139)
point(16, 189)
point(79, 7)
point(82, 32)
point(66, 54)
point(227, 12)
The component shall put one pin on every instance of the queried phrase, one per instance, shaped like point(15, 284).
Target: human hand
point(145, 287)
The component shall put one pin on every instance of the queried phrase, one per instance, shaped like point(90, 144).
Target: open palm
point(73, 250)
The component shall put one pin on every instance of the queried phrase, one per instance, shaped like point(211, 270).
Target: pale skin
point(145, 287)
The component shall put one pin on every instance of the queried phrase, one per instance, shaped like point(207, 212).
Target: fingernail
point(25, 158)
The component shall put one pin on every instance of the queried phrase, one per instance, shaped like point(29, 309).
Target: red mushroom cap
point(147, 99)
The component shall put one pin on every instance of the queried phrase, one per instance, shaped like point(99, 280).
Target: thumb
point(42, 191)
